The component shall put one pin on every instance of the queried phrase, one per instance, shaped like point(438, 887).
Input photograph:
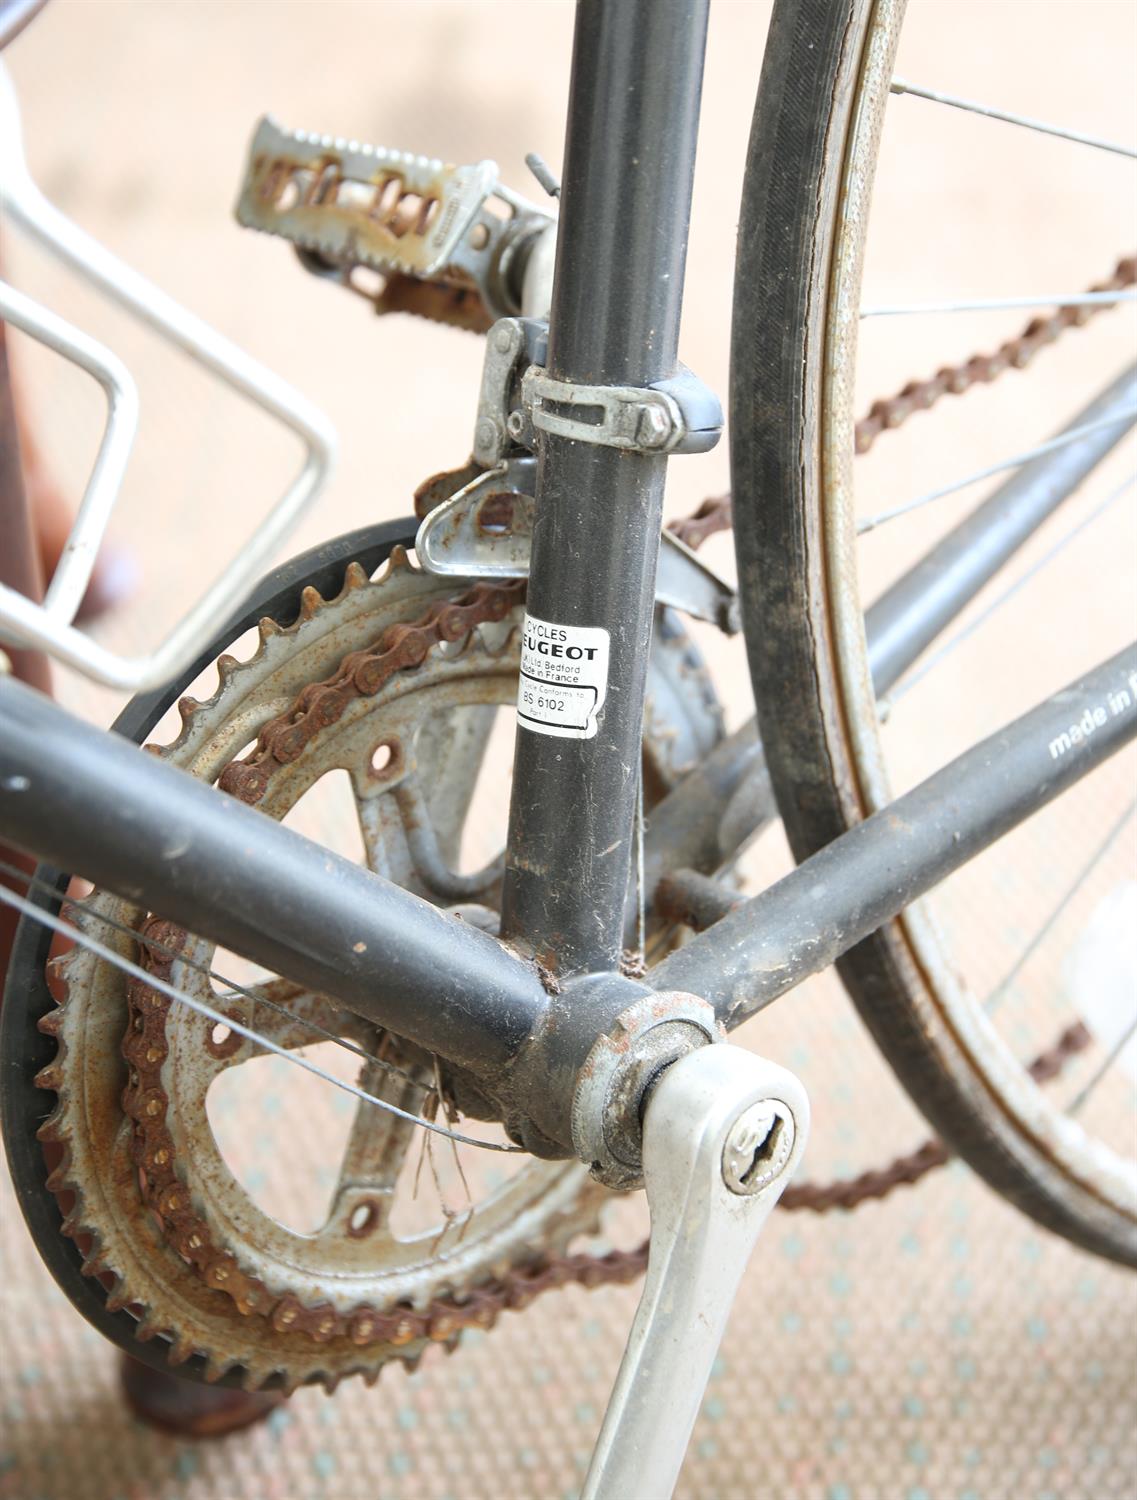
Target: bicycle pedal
point(344, 204)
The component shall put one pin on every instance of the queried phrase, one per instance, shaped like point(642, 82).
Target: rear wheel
point(805, 215)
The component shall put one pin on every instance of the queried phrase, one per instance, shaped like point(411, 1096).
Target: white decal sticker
point(1099, 974)
point(564, 678)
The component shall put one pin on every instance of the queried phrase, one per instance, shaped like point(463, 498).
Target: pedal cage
point(440, 236)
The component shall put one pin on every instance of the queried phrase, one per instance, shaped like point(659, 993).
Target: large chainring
point(150, 1198)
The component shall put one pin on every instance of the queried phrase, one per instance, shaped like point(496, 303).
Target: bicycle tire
point(825, 75)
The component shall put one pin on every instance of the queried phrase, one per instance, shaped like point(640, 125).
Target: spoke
point(84, 939)
point(938, 657)
point(993, 304)
point(989, 111)
point(1099, 1073)
point(1016, 461)
point(273, 994)
point(265, 1009)
point(999, 993)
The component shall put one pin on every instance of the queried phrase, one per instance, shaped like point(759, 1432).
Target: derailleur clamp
point(519, 399)
point(678, 415)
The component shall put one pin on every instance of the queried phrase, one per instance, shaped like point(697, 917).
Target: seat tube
point(617, 295)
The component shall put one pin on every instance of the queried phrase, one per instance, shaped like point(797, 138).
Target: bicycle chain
point(814, 1197)
point(361, 674)
point(145, 1048)
point(446, 1317)
point(283, 740)
point(890, 412)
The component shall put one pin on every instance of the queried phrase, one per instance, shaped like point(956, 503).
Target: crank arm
point(723, 1134)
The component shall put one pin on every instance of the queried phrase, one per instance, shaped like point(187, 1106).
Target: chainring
point(150, 1200)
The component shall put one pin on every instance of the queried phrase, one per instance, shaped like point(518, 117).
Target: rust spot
point(438, 488)
point(495, 514)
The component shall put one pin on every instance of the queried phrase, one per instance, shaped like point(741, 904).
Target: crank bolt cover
point(758, 1147)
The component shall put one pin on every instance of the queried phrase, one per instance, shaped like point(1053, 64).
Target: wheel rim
point(1101, 1171)
point(846, 755)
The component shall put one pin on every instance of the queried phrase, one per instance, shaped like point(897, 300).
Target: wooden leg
point(188, 1409)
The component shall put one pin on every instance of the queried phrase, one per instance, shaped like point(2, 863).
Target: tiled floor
point(932, 1347)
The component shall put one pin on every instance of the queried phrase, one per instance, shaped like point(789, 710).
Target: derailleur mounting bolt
point(488, 433)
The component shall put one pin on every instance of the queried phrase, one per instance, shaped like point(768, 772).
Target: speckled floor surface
point(935, 1346)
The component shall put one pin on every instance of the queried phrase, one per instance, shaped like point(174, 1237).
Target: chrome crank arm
point(723, 1134)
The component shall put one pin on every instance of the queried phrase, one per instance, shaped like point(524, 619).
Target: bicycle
point(1022, 1169)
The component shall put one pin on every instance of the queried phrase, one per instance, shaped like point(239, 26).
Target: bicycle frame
point(618, 288)
point(523, 1015)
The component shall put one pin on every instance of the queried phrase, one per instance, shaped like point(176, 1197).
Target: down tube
point(618, 284)
point(808, 919)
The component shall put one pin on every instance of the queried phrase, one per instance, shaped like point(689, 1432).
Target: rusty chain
point(890, 412)
point(845, 1194)
point(145, 1048)
point(362, 674)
